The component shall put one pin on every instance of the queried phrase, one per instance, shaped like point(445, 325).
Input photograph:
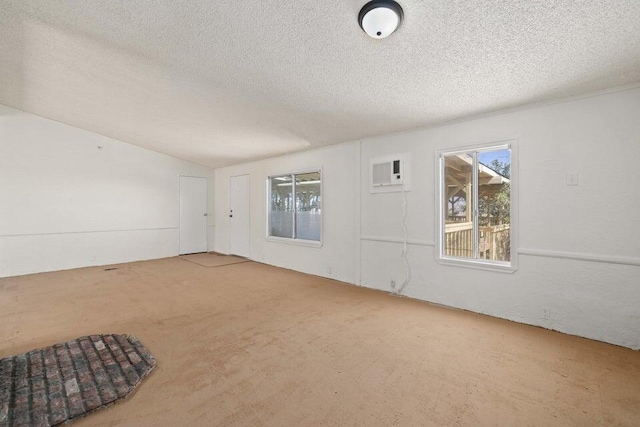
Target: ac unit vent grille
point(382, 173)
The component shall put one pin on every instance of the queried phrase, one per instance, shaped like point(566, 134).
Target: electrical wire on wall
point(403, 255)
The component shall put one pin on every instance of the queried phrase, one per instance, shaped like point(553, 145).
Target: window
point(476, 206)
point(295, 206)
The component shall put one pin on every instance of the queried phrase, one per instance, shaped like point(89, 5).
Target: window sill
point(508, 268)
point(299, 242)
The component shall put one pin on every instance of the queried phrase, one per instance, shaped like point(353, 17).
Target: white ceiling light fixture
point(380, 18)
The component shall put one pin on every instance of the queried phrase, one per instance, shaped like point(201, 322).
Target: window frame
point(294, 240)
point(477, 263)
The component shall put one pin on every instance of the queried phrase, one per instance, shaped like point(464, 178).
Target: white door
point(193, 215)
point(239, 221)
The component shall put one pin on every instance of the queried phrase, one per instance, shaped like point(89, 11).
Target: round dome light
point(380, 18)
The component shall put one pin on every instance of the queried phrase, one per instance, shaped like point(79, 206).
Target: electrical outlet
point(393, 284)
point(572, 178)
point(546, 313)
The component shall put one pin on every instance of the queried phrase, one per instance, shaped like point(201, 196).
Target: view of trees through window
point(296, 206)
point(482, 231)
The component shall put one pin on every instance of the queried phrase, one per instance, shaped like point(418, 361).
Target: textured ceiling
point(226, 81)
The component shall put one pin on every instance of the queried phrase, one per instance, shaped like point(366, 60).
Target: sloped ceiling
point(227, 81)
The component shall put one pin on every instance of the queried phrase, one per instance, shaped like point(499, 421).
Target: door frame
point(206, 205)
point(248, 208)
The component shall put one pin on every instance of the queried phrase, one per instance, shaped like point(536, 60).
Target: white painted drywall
point(599, 137)
point(337, 255)
point(65, 203)
point(595, 295)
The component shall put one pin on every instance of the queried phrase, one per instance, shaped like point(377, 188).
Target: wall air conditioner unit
point(387, 173)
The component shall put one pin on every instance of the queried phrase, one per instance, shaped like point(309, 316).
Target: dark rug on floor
point(56, 384)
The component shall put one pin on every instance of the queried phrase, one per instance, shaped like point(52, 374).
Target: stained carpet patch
point(213, 260)
point(66, 381)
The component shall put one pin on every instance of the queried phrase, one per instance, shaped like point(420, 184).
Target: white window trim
point(480, 264)
point(290, 240)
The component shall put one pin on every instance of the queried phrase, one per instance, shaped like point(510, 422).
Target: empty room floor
point(250, 345)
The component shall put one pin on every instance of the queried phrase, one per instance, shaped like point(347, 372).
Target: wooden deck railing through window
point(494, 243)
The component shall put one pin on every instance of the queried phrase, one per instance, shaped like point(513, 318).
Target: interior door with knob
point(239, 216)
point(193, 215)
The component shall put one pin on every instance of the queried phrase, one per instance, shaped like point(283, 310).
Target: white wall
point(64, 203)
point(579, 247)
point(337, 256)
point(598, 220)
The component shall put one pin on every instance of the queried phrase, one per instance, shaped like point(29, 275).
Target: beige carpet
point(254, 345)
point(211, 259)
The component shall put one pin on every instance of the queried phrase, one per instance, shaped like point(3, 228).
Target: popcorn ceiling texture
point(228, 81)
point(66, 381)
